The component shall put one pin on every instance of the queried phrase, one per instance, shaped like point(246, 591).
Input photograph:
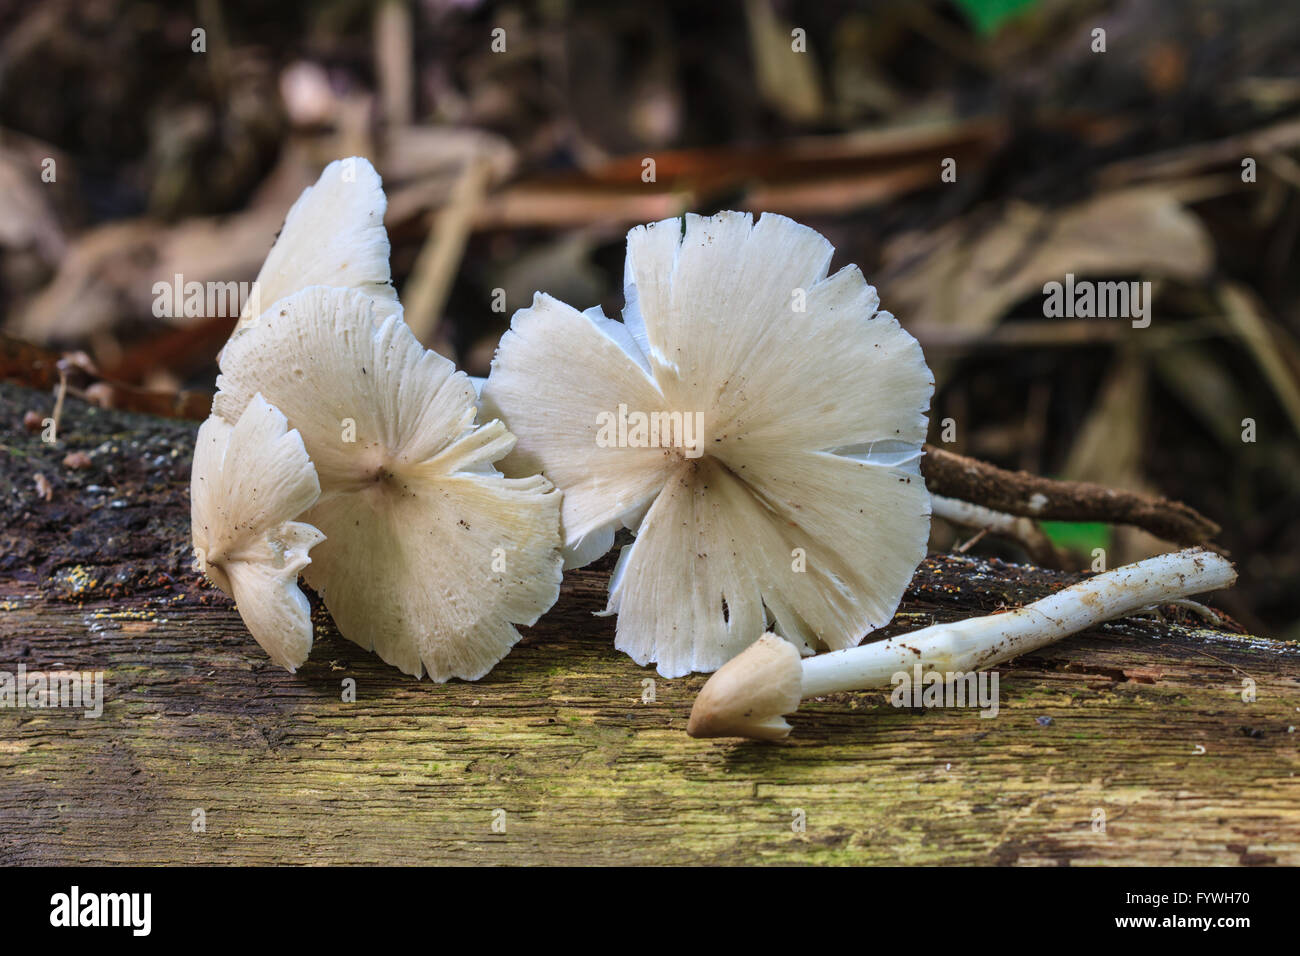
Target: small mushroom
point(749, 695)
point(431, 556)
point(250, 481)
point(333, 236)
point(795, 412)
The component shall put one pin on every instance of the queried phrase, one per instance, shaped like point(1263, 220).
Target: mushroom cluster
point(756, 422)
point(421, 550)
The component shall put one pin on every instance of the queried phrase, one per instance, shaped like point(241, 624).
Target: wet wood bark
point(1130, 744)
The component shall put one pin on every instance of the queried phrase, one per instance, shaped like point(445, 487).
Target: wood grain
point(558, 736)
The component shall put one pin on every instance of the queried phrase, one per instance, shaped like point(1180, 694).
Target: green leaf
point(988, 15)
point(1078, 536)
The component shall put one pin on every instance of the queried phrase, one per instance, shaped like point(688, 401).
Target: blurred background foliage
point(521, 169)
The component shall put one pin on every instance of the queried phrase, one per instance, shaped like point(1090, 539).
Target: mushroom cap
point(431, 556)
point(249, 481)
point(806, 510)
point(748, 695)
point(332, 236)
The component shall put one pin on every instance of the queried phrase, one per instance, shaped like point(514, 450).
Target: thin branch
point(1024, 531)
point(1032, 496)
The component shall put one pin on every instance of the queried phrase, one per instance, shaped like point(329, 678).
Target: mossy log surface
point(1130, 744)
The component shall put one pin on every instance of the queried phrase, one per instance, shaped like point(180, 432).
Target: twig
point(60, 395)
point(1020, 493)
point(971, 542)
point(435, 267)
point(393, 53)
point(1024, 531)
point(1268, 345)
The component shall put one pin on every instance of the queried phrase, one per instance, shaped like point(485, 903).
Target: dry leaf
point(1273, 350)
point(969, 275)
point(786, 77)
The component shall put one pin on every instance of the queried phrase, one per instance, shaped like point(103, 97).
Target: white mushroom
point(250, 480)
point(431, 556)
point(802, 495)
point(750, 694)
point(333, 236)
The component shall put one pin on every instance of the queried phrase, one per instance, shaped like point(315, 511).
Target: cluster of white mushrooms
point(756, 422)
point(421, 550)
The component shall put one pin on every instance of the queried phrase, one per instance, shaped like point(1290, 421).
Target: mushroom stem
point(749, 694)
point(981, 642)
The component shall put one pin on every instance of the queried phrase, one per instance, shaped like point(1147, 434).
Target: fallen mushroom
point(794, 412)
point(250, 481)
point(332, 236)
point(749, 696)
point(430, 555)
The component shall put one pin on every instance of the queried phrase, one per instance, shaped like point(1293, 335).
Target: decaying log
point(1145, 741)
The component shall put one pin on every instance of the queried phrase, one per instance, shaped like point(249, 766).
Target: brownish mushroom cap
point(748, 695)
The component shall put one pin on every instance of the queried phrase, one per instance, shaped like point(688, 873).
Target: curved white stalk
point(731, 705)
point(970, 515)
point(981, 642)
